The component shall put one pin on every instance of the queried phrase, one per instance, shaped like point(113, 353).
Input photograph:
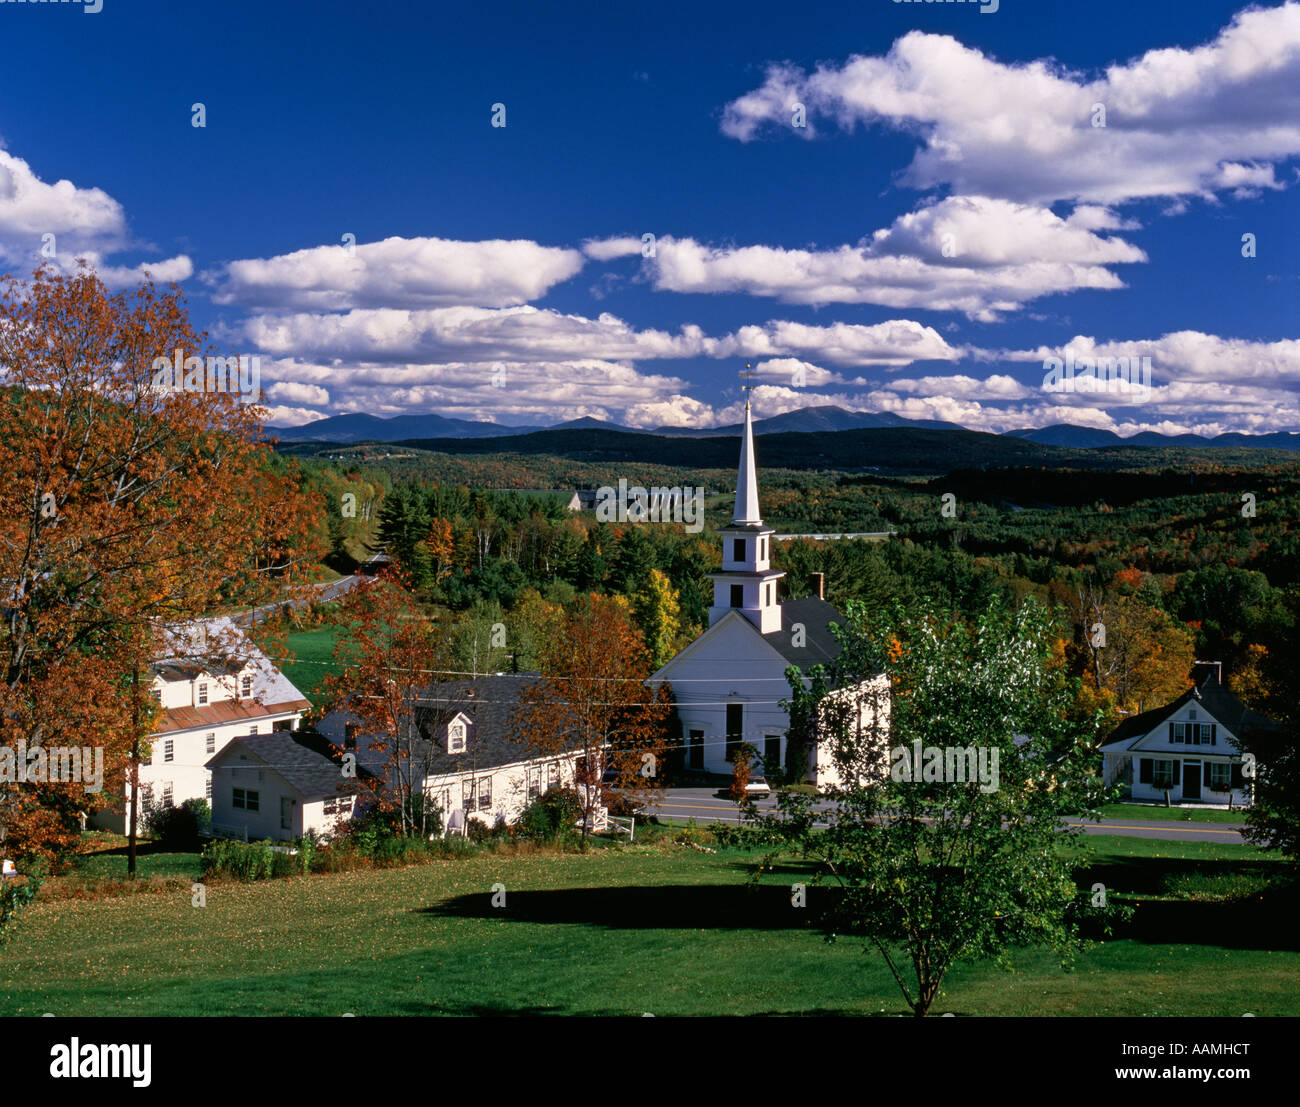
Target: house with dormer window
point(213, 685)
point(1189, 749)
point(729, 682)
point(464, 753)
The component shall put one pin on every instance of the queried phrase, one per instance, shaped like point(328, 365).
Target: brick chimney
point(819, 579)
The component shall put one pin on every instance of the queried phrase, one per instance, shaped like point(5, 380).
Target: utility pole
point(135, 769)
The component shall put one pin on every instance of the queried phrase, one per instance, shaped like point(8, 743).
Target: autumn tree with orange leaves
point(125, 508)
point(1131, 654)
point(392, 658)
point(592, 700)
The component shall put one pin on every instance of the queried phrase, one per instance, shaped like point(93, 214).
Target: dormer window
point(203, 694)
point(246, 687)
point(456, 737)
point(350, 736)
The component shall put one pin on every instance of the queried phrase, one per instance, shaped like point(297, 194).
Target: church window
point(737, 549)
point(735, 728)
point(737, 595)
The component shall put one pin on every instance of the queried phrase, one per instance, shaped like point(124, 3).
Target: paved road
point(681, 804)
point(326, 592)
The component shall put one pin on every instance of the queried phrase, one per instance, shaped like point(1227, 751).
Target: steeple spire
point(747, 478)
point(747, 583)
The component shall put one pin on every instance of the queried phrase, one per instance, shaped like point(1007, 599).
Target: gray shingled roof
point(489, 743)
point(301, 757)
point(820, 645)
point(1213, 697)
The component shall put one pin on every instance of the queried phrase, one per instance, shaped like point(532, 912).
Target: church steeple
point(747, 582)
point(747, 479)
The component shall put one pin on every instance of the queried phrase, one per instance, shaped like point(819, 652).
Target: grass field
point(313, 652)
point(624, 931)
point(1172, 814)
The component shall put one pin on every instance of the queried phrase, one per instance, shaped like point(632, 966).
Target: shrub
point(742, 773)
point(479, 831)
point(15, 894)
point(249, 861)
point(179, 828)
point(550, 816)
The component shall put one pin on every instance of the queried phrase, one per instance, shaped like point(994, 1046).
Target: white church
point(729, 682)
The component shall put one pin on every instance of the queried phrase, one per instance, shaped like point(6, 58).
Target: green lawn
point(313, 651)
point(149, 861)
point(1174, 814)
point(624, 932)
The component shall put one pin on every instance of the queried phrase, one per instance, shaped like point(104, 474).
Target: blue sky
point(947, 220)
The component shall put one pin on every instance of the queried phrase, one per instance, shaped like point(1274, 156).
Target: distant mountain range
point(372, 428)
point(1088, 438)
point(401, 428)
point(826, 418)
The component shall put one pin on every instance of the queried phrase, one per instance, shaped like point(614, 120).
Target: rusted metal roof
point(224, 713)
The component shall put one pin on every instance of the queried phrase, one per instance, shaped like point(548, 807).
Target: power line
point(465, 672)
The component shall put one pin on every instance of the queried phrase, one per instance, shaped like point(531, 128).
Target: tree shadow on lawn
point(1149, 876)
point(1265, 922)
point(802, 870)
point(1256, 912)
point(142, 849)
point(672, 907)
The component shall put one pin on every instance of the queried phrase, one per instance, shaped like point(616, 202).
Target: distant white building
point(729, 682)
point(214, 686)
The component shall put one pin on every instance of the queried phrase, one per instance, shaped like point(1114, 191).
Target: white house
point(465, 755)
point(1189, 748)
point(279, 785)
point(729, 682)
point(214, 685)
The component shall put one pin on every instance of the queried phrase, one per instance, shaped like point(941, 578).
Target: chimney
point(1201, 670)
point(819, 579)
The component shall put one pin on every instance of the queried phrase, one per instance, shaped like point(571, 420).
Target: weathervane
point(748, 374)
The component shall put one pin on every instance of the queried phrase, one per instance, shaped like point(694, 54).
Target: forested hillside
point(1182, 554)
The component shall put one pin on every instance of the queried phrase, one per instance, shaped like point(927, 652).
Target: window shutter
point(1214, 734)
point(1177, 770)
point(1172, 739)
point(1144, 770)
point(1207, 774)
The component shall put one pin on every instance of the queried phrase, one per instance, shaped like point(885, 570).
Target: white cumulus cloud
point(397, 273)
point(1178, 121)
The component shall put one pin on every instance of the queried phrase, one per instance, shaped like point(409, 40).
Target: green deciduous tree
point(937, 870)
